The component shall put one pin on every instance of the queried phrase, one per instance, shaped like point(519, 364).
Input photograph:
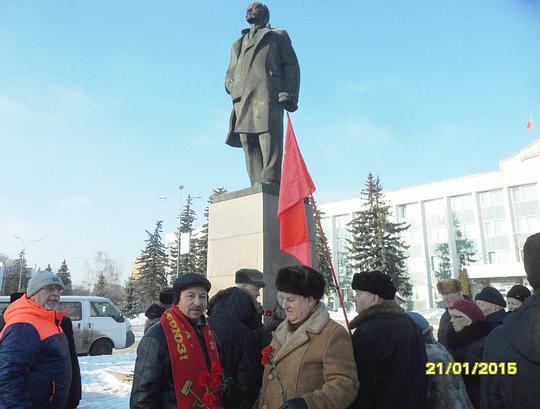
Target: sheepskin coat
point(315, 363)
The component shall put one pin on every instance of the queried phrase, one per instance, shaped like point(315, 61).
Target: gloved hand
point(296, 403)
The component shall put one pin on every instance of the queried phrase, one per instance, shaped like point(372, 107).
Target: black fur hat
point(374, 282)
point(301, 280)
point(166, 296)
point(249, 276)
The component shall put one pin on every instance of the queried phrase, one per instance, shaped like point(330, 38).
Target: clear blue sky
point(107, 105)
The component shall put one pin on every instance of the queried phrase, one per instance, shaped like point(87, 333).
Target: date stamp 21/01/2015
point(472, 368)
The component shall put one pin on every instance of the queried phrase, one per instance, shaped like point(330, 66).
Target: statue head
point(258, 14)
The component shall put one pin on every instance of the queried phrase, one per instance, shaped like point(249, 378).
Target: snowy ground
point(106, 380)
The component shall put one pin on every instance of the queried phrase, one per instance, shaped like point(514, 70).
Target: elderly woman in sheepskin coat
point(309, 363)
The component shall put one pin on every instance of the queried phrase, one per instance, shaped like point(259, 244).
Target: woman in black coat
point(466, 341)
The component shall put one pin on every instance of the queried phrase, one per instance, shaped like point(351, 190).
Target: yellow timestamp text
point(471, 368)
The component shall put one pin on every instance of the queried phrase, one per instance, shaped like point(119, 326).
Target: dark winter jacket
point(235, 321)
point(35, 367)
point(153, 313)
point(75, 390)
point(153, 385)
point(496, 319)
point(517, 340)
point(467, 345)
point(444, 326)
point(390, 357)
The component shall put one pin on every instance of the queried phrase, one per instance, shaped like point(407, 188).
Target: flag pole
point(323, 237)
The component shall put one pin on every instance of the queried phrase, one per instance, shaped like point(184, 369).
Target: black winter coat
point(517, 340)
point(390, 357)
point(237, 325)
point(75, 390)
point(496, 319)
point(467, 345)
point(153, 384)
point(444, 326)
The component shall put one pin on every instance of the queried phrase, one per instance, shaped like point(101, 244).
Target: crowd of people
point(216, 353)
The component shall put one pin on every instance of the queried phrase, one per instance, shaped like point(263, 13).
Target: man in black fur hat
point(388, 348)
point(516, 344)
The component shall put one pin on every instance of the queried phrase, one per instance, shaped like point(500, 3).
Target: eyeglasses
point(52, 288)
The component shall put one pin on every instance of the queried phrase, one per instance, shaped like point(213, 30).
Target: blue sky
point(107, 105)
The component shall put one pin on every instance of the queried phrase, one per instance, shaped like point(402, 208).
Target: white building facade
point(494, 211)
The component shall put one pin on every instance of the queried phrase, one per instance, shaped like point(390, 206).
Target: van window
point(105, 309)
point(73, 310)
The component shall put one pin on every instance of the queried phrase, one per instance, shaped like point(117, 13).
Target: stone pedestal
point(243, 232)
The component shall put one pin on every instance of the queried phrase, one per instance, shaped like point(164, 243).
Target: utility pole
point(180, 188)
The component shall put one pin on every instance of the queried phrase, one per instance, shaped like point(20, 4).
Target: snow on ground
point(138, 321)
point(106, 380)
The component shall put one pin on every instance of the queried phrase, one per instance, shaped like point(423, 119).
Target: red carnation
point(267, 354)
point(202, 378)
point(215, 376)
point(210, 400)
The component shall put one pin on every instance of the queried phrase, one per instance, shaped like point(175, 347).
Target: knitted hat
point(420, 321)
point(191, 280)
point(374, 282)
point(519, 292)
point(301, 280)
point(453, 285)
point(492, 295)
point(42, 279)
point(470, 309)
point(166, 296)
point(531, 260)
point(249, 276)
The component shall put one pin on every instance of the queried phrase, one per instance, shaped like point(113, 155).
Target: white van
point(98, 324)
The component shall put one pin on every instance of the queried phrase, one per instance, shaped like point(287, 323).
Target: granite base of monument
point(243, 232)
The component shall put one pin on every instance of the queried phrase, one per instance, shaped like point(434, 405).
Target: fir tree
point(202, 242)
point(49, 268)
point(188, 260)
point(465, 251)
point(376, 242)
point(153, 276)
point(131, 306)
point(65, 275)
point(100, 288)
point(323, 264)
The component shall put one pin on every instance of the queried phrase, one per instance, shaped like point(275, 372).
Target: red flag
point(529, 123)
point(296, 185)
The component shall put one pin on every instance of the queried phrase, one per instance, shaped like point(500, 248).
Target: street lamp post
point(180, 188)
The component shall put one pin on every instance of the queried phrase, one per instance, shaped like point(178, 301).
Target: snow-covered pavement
point(106, 380)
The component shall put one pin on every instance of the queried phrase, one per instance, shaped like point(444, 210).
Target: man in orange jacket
point(35, 365)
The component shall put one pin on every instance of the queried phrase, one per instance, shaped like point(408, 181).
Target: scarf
point(195, 386)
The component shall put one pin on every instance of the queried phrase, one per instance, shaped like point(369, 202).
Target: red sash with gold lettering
point(194, 385)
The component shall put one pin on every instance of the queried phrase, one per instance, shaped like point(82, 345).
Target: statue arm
point(229, 76)
point(290, 68)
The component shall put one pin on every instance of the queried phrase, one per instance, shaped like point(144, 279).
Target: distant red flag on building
point(296, 185)
point(529, 123)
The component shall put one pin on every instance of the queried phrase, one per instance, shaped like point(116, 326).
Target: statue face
point(255, 13)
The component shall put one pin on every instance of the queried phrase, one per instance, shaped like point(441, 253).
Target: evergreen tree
point(65, 275)
point(153, 273)
point(465, 250)
point(202, 242)
point(131, 306)
point(188, 260)
point(376, 242)
point(49, 268)
point(100, 288)
point(323, 264)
